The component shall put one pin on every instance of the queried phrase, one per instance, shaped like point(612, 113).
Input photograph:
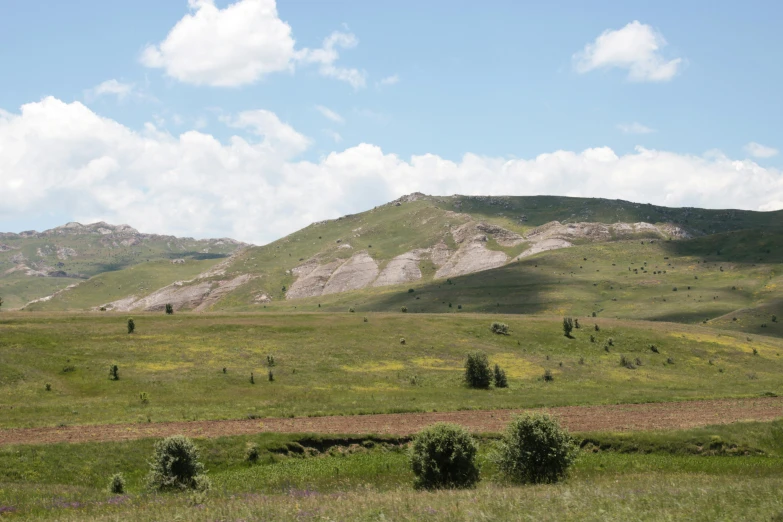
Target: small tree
point(404, 309)
point(576, 324)
point(175, 464)
point(131, 326)
point(169, 309)
point(499, 328)
point(444, 456)
point(114, 372)
point(252, 379)
point(568, 326)
point(500, 377)
point(477, 372)
point(271, 376)
point(1, 302)
point(117, 484)
point(535, 449)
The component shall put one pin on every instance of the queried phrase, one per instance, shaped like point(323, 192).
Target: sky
point(253, 118)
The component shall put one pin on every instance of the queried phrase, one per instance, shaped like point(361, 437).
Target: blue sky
point(685, 93)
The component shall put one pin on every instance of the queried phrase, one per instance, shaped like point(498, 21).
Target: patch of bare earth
point(621, 417)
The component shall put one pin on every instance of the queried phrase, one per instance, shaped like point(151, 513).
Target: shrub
point(117, 484)
point(48, 387)
point(252, 453)
point(270, 360)
point(500, 377)
point(411, 290)
point(351, 310)
point(568, 325)
point(477, 372)
point(597, 328)
point(654, 349)
point(271, 376)
point(610, 342)
point(638, 361)
point(626, 363)
point(774, 318)
point(548, 377)
point(404, 309)
point(444, 456)
point(669, 360)
point(459, 307)
point(169, 309)
point(252, 379)
point(175, 465)
point(499, 328)
point(144, 398)
point(592, 338)
point(755, 351)
point(365, 319)
point(535, 449)
point(593, 314)
point(402, 340)
point(114, 372)
point(131, 326)
point(576, 324)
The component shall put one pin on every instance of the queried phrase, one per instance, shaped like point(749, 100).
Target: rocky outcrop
point(402, 269)
point(358, 272)
point(472, 256)
point(312, 280)
point(543, 246)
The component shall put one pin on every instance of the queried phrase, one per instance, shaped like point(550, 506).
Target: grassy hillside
point(340, 364)
point(37, 264)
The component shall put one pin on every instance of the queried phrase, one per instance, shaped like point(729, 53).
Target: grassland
point(646, 476)
point(339, 364)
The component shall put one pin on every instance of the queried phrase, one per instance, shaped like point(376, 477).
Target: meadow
point(689, 474)
point(198, 367)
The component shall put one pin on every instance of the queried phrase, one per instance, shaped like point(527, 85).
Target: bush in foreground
point(117, 484)
point(535, 449)
point(499, 328)
point(175, 465)
point(444, 456)
point(477, 372)
point(500, 377)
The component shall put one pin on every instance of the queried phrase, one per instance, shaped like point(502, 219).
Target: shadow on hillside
point(742, 246)
point(512, 289)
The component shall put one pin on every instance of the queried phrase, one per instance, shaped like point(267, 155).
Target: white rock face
point(472, 256)
point(402, 269)
point(313, 279)
point(357, 272)
point(543, 246)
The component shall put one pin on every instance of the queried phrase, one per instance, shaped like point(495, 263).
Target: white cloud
point(758, 150)
point(634, 128)
point(636, 47)
point(389, 80)
point(334, 135)
point(111, 87)
point(329, 114)
point(65, 159)
point(239, 45)
point(327, 55)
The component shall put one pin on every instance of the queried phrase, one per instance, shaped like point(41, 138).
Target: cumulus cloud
point(636, 48)
point(239, 45)
point(329, 114)
point(64, 159)
point(634, 128)
point(111, 87)
point(758, 150)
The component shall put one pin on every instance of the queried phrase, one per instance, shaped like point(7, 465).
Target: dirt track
point(625, 417)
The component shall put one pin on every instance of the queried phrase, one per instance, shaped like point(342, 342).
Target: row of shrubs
point(534, 449)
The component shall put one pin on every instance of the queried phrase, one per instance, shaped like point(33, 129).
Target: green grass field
point(331, 363)
point(649, 476)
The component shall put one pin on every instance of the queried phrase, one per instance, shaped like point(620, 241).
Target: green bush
point(169, 309)
point(499, 328)
point(131, 326)
point(114, 372)
point(477, 372)
point(404, 309)
point(535, 449)
point(117, 484)
point(568, 325)
point(175, 465)
point(500, 377)
point(444, 456)
point(252, 453)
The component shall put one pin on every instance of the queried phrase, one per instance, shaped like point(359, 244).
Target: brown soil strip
point(621, 417)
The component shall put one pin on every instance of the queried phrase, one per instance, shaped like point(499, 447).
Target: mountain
point(542, 254)
point(35, 265)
